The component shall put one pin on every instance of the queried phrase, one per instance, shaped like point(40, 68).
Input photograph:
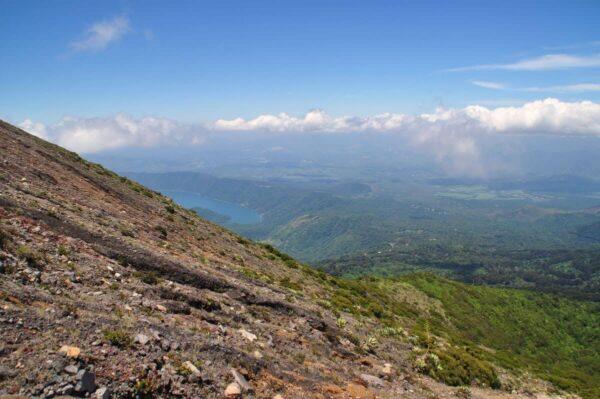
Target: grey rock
point(71, 369)
point(142, 339)
point(59, 364)
point(71, 276)
point(233, 390)
point(39, 388)
point(155, 334)
point(86, 381)
point(241, 380)
point(6, 373)
point(102, 393)
point(194, 378)
point(372, 381)
point(67, 389)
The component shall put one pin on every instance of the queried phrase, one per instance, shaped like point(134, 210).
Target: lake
point(237, 213)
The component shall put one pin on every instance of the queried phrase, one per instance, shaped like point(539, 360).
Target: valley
point(543, 240)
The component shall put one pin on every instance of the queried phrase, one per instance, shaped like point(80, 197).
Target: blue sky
point(195, 61)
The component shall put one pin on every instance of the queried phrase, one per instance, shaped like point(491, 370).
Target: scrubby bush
point(464, 393)
point(162, 231)
point(370, 344)
point(31, 256)
point(455, 366)
point(395, 332)
point(170, 208)
point(292, 285)
point(127, 232)
point(150, 277)
point(63, 250)
point(118, 338)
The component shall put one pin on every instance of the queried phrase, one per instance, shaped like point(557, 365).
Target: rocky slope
point(108, 289)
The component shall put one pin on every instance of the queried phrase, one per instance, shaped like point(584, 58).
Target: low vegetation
point(118, 338)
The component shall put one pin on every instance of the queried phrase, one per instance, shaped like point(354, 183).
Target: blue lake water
point(237, 213)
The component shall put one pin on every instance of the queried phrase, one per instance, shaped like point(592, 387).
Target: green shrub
point(162, 231)
point(170, 208)
point(150, 277)
point(370, 344)
point(144, 388)
point(464, 393)
point(127, 232)
point(118, 338)
point(31, 256)
point(292, 285)
point(455, 366)
point(394, 332)
point(63, 250)
point(242, 240)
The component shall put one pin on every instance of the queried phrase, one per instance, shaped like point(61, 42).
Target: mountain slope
point(105, 284)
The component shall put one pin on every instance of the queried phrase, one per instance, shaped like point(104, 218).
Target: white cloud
point(489, 85)
point(313, 121)
point(542, 63)
point(549, 116)
point(36, 128)
point(89, 135)
point(101, 34)
point(451, 135)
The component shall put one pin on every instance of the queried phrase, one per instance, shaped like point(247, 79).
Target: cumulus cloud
point(543, 63)
point(549, 116)
point(313, 121)
point(98, 36)
point(89, 135)
point(36, 128)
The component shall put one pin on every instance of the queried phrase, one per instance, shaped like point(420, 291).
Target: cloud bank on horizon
point(543, 117)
